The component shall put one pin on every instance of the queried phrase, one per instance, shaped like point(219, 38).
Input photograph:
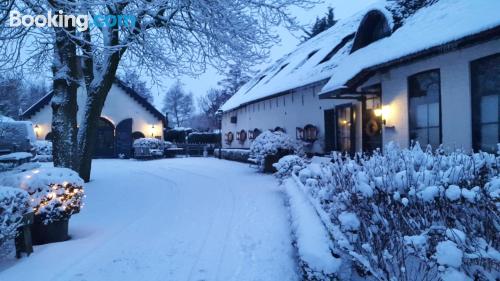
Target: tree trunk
point(64, 101)
point(97, 93)
point(88, 131)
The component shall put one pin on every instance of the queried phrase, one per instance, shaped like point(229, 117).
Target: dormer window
point(373, 27)
point(281, 68)
point(337, 48)
point(310, 55)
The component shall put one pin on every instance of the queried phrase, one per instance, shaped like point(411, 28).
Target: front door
point(124, 138)
point(372, 124)
point(329, 115)
point(345, 123)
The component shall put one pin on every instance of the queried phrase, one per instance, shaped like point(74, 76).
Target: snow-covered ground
point(175, 219)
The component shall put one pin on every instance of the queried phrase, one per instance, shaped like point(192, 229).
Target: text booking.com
point(79, 22)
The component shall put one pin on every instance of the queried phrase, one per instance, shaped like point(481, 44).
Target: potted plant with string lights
point(55, 195)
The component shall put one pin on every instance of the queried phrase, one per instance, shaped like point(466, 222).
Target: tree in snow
point(322, 24)
point(10, 93)
point(179, 37)
point(178, 104)
point(402, 9)
point(134, 81)
point(17, 95)
point(210, 103)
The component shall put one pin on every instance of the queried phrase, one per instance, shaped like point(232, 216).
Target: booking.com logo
point(80, 22)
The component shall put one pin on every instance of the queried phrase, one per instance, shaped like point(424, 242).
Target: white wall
point(118, 106)
point(288, 112)
point(455, 103)
point(455, 94)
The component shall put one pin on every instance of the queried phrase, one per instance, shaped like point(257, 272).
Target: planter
point(274, 158)
point(50, 233)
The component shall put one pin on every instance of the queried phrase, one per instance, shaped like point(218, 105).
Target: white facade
point(370, 70)
point(456, 113)
point(118, 107)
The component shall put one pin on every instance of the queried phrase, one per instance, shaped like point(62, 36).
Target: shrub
point(203, 138)
point(271, 143)
point(287, 165)
point(14, 203)
point(177, 135)
point(55, 193)
point(240, 155)
point(43, 151)
point(410, 214)
point(150, 143)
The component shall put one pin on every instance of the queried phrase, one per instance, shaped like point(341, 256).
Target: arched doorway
point(105, 139)
point(49, 136)
point(137, 135)
point(124, 138)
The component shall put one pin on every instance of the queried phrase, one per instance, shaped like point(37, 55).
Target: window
point(310, 55)
point(425, 108)
point(485, 83)
point(337, 48)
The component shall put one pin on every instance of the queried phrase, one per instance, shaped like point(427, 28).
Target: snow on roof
point(6, 119)
point(304, 65)
point(443, 22)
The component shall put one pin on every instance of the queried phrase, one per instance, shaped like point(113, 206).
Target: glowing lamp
point(37, 130)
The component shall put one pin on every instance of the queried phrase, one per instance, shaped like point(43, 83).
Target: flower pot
point(56, 231)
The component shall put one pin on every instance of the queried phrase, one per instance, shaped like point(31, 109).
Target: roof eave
point(467, 41)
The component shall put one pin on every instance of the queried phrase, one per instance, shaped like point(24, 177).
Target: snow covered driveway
point(173, 219)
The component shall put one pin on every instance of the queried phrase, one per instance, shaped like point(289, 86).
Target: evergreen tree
point(322, 24)
point(402, 9)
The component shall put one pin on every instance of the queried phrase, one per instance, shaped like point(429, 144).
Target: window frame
point(408, 95)
point(476, 122)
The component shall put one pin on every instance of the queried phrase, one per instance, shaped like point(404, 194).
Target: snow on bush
point(151, 143)
point(55, 193)
point(14, 203)
point(269, 143)
point(240, 155)
point(410, 214)
point(43, 151)
point(311, 237)
point(287, 165)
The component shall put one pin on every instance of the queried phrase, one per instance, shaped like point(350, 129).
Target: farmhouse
point(363, 83)
point(125, 116)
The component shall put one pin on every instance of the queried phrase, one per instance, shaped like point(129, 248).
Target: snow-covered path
point(173, 219)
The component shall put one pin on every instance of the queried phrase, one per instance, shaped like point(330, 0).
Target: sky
point(201, 84)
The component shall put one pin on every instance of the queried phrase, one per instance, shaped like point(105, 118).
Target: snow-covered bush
point(55, 193)
point(203, 138)
point(272, 143)
point(14, 203)
point(17, 136)
point(151, 143)
point(287, 165)
point(43, 151)
point(410, 214)
point(240, 155)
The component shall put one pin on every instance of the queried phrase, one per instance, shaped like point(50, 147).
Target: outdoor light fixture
point(37, 130)
point(152, 131)
point(383, 112)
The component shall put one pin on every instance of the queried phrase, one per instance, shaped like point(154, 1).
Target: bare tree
point(178, 104)
point(175, 37)
point(10, 93)
point(210, 103)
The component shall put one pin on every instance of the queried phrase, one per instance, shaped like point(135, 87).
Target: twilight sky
point(199, 85)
